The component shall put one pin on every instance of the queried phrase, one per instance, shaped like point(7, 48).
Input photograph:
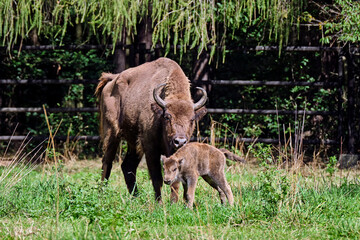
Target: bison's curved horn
point(202, 100)
point(157, 97)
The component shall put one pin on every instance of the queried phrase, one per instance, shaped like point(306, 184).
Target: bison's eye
point(167, 117)
point(174, 169)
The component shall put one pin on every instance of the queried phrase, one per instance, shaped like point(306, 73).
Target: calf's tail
point(231, 156)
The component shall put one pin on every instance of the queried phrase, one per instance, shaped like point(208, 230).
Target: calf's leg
point(215, 186)
point(220, 181)
point(190, 191)
point(174, 192)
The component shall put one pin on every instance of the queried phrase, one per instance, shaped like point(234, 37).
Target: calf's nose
point(179, 141)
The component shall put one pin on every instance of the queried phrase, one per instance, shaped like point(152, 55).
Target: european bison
point(194, 160)
point(150, 106)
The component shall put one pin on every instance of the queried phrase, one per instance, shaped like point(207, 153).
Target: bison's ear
point(157, 109)
point(200, 113)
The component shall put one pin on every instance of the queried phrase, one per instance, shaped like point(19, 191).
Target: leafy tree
point(339, 19)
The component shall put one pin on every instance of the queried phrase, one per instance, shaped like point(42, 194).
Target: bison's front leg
point(154, 166)
point(129, 166)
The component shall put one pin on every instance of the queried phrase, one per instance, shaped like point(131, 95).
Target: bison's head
point(178, 116)
point(172, 167)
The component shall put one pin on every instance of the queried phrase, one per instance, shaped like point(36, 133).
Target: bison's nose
point(167, 182)
point(179, 141)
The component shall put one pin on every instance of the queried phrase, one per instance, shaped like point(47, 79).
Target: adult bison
point(150, 106)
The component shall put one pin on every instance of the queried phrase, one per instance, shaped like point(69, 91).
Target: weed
point(331, 165)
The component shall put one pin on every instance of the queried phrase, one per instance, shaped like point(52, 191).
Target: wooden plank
point(39, 109)
point(272, 111)
point(48, 81)
point(270, 83)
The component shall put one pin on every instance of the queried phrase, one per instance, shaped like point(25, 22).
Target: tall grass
point(266, 206)
point(271, 201)
point(20, 164)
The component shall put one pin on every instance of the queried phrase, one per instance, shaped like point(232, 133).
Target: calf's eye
point(174, 169)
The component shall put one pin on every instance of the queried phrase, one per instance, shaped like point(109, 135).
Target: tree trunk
point(143, 40)
point(120, 55)
point(201, 72)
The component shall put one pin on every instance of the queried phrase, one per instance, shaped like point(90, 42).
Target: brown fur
point(194, 160)
point(128, 111)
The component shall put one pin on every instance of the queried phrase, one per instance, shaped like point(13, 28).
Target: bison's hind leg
point(110, 149)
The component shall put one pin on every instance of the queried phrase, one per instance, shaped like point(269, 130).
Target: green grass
point(269, 204)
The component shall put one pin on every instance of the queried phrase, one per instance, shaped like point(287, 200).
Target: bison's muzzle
point(179, 142)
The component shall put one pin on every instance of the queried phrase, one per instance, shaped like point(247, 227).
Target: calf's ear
point(162, 159)
point(200, 113)
point(181, 161)
point(157, 109)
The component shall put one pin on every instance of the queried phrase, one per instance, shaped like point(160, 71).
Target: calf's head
point(172, 167)
point(178, 116)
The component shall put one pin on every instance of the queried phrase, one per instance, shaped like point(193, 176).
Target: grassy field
point(67, 202)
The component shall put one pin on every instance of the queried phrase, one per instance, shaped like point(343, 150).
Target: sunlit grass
point(314, 207)
point(65, 200)
point(19, 165)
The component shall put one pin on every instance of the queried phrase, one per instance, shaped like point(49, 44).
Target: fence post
point(142, 53)
point(350, 103)
point(341, 60)
point(132, 55)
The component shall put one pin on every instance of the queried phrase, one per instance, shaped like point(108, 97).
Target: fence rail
point(270, 83)
point(193, 139)
point(339, 84)
point(210, 110)
point(48, 81)
point(158, 46)
point(210, 82)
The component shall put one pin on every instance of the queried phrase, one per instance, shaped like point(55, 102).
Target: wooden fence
point(339, 84)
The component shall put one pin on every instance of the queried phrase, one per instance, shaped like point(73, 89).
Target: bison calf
point(194, 160)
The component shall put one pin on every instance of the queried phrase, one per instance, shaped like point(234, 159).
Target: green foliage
point(273, 190)
point(331, 165)
point(289, 67)
point(253, 131)
point(262, 152)
point(345, 26)
point(188, 23)
point(55, 64)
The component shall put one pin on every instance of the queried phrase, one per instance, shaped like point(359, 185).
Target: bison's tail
point(104, 79)
point(232, 156)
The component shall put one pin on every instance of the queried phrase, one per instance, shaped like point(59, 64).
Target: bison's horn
point(157, 98)
point(202, 100)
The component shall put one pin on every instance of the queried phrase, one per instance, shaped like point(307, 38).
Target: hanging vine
point(190, 24)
